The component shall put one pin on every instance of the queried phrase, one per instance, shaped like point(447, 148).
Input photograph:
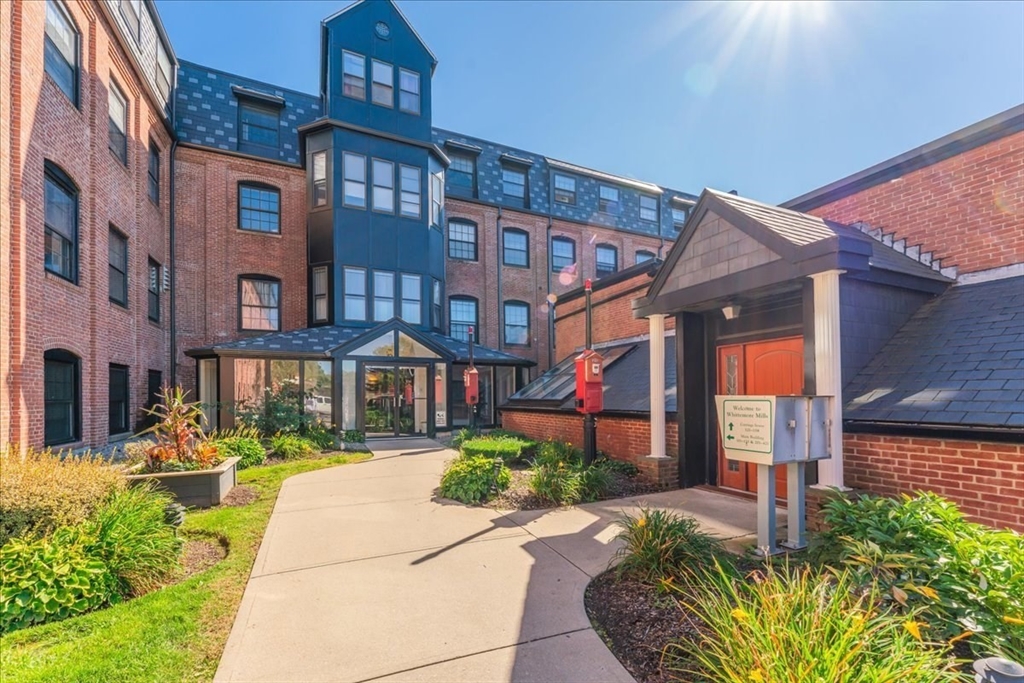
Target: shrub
point(558, 453)
point(250, 450)
point(558, 484)
point(278, 411)
point(51, 578)
point(967, 579)
point(659, 545)
point(180, 442)
point(509, 449)
point(320, 434)
point(132, 538)
point(463, 435)
point(529, 445)
point(353, 436)
point(801, 626)
point(290, 446)
point(472, 479)
point(40, 490)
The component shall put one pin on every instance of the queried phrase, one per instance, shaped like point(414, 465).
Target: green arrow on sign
point(730, 426)
point(730, 437)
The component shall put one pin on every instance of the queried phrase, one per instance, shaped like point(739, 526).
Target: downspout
point(501, 256)
point(551, 306)
point(171, 240)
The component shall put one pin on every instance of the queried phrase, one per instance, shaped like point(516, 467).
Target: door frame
point(394, 366)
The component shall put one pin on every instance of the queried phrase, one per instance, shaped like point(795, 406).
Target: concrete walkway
point(364, 576)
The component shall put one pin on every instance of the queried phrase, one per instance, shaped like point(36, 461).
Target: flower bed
point(197, 488)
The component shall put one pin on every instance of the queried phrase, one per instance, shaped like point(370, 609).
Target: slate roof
point(958, 361)
point(320, 341)
point(626, 380)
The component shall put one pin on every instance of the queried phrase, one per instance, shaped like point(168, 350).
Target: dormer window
point(259, 126)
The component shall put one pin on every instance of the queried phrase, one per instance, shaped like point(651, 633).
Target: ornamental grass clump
point(798, 626)
point(43, 490)
point(658, 545)
point(560, 477)
point(474, 479)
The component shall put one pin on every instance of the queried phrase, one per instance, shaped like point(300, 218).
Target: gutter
point(551, 306)
point(171, 238)
point(935, 431)
point(500, 250)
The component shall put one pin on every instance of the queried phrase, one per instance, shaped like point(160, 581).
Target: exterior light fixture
point(731, 312)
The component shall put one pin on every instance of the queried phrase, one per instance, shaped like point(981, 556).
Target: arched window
point(462, 239)
point(607, 259)
point(643, 256)
point(517, 323)
point(463, 314)
point(60, 197)
point(259, 208)
point(62, 397)
point(515, 247)
point(259, 303)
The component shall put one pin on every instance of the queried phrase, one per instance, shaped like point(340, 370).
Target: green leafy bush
point(554, 453)
point(464, 434)
point(40, 490)
point(967, 579)
point(279, 411)
point(291, 447)
point(560, 477)
point(659, 545)
point(353, 436)
point(784, 625)
point(51, 578)
point(509, 449)
point(472, 479)
point(250, 450)
point(130, 535)
point(529, 447)
point(320, 434)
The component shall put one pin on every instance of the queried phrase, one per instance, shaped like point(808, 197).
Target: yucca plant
point(799, 626)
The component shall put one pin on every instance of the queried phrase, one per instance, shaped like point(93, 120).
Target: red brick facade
point(533, 284)
point(968, 210)
point(985, 479)
point(212, 252)
point(621, 438)
point(41, 311)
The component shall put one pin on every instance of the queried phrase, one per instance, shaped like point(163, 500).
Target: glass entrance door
point(412, 400)
point(395, 400)
point(379, 408)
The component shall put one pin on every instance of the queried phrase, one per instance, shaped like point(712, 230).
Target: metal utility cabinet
point(770, 431)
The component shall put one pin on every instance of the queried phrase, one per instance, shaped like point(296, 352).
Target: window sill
point(120, 436)
point(118, 305)
point(515, 265)
point(66, 445)
point(50, 275)
point(154, 323)
point(258, 232)
point(122, 164)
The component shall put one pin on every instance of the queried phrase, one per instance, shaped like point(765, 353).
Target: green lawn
point(174, 634)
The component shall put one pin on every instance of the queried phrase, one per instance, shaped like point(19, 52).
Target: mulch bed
point(518, 495)
point(199, 554)
point(239, 496)
point(637, 623)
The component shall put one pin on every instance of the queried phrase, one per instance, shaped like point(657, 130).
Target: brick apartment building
point(282, 221)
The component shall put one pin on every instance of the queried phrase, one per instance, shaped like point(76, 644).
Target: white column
point(828, 376)
point(657, 330)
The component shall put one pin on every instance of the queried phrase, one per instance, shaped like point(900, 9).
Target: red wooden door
point(772, 368)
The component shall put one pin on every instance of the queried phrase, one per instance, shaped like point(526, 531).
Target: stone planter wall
point(202, 489)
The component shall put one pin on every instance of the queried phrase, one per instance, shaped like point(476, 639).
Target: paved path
point(364, 576)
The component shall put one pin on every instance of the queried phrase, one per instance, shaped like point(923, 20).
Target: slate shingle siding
point(207, 110)
point(959, 360)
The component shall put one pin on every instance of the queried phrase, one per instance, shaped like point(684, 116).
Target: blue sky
point(770, 99)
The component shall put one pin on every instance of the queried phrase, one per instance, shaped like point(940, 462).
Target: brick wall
point(967, 209)
point(41, 311)
point(985, 479)
point(622, 438)
point(479, 278)
point(612, 316)
point(212, 252)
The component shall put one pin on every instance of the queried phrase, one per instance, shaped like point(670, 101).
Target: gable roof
point(401, 14)
point(959, 361)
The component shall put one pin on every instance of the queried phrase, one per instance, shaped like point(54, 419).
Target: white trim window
point(354, 180)
point(565, 189)
point(353, 75)
point(383, 295)
point(412, 299)
point(648, 209)
point(383, 90)
point(408, 91)
point(355, 294)
point(383, 186)
point(412, 197)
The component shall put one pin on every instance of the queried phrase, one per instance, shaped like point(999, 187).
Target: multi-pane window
point(319, 179)
point(153, 287)
point(383, 296)
point(353, 78)
point(163, 71)
point(608, 199)
point(563, 254)
point(461, 240)
point(462, 171)
point(355, 180)
point(409, 91)
point(607, 259)
point(117, 396)
point(259, 208)
point(648, 209)
point(117, 247)
point(383, 186)
point(259, 127)
point(60, 50)
point(131, 10)
point(645, 256)
point(679, 216)
point(565, 189)
point(412, 299)
point(260, 304)
point(436, 197)
point(61, 219)
point(321, 302)
point(517, 323)
point(355, 294)
point(383, 91)
point(435, 305)
point(411, 194)
point(117, 108)
point(462, 316)
point(61, 397)
point(515, 248)
point(513, 184)
point(153, 174)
